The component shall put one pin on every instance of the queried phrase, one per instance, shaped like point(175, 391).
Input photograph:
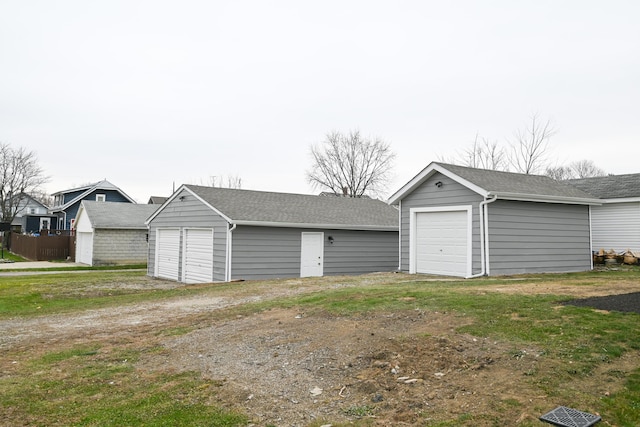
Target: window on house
point(32, 211)
point(101, 197)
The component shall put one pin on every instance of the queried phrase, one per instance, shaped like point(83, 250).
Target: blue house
point(67, 202)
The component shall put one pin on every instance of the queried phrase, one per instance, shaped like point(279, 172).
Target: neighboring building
point(109, 233)
point(616, 223)
point(465, 222)
point(67, 202)
point(32, 216)
point(206, 234)
point(157, 200)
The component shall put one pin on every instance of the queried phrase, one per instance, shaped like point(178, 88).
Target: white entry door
point(442, 243)
point(167, 253)
point(312, 255)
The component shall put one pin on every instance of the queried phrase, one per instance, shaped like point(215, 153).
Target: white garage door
point(167, 253)
point(198, 255)
point(84, 248)
point(441, 243)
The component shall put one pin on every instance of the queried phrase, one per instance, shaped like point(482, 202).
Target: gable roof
point(610, 187)
point(26, 200)
point(86, 190)
point(248, 207)
point(117, 214)
point(503, 185)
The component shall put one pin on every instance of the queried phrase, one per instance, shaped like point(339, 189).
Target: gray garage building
point(205, 234)
point(464, 222)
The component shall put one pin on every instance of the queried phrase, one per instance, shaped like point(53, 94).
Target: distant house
point(615, 224)
point(157, 200)
point(32, 216)
point(67, 202)
point(468, 222)
point(205, 234)
point(109, 233)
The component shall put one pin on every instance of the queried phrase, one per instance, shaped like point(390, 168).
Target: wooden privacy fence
point(44, 247)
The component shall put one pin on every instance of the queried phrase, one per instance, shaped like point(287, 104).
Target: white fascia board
point(625, 200)
point(546, 199)
point(75, 200)
point(162, 206)
point(317, 226)
point(83, 216)
point(119, 227)
point(165, 204)
point(425, 174)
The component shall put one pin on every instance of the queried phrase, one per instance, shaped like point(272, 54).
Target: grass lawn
point(97, 382)
point(7, 255)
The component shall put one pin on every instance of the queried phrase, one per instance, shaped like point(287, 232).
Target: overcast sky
point(151, 93)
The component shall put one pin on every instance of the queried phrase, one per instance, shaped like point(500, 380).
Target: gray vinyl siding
point(529, 237)
point(268, 252)
point(265, 252)
point(360, 252)
point(191, 213)
point(119, 246)
point(428, 195)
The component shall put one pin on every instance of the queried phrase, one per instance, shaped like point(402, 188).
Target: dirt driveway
point(284, 367)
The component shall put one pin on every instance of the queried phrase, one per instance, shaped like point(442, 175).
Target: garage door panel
point(441, 242)
point(198, 258)
point(167, 253)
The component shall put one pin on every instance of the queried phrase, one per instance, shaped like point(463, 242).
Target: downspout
point(229, 247)
point(400, 236)
point(484, 236)
point(590, 239)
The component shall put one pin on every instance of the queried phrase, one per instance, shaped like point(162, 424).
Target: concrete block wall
point(119, 247)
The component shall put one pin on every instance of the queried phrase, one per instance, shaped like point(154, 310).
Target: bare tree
point(559, 173)
point(577, 169)
point(529, 148)
point(230, 181)
point(586, 169)
point(20, 174)
point(484, 155)
point(351, 165)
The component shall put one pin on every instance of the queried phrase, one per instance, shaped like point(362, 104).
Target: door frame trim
point(321, 233)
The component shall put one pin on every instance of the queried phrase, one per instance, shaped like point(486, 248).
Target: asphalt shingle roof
point(497, 182)
point(118, 215)
point(610, 187)
point(285, 208)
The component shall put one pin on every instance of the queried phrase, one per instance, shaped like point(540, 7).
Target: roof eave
point(546, 198)
point(367, 227)
point(620, 200)
point(118, 227)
